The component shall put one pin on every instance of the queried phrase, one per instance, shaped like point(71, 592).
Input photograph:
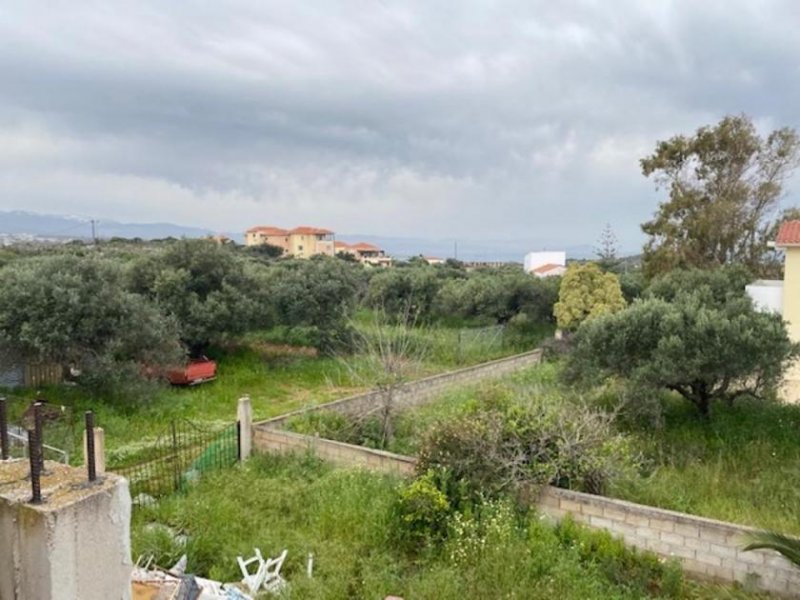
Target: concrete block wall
point(338, 453)
point(706, 548)
point(420, 391)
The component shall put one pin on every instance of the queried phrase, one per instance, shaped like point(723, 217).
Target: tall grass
point(278, 379)
point(276, 383)
point(345, 519)
point(742, 465)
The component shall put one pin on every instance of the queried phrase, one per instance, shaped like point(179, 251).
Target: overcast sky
point(457, 119)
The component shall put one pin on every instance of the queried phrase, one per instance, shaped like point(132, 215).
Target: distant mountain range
point(69, 227)
point(28, 225)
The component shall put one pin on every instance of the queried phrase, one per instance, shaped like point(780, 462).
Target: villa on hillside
point(300, 242)
point(368, 254)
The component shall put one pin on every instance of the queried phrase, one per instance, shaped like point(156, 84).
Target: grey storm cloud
point(485, 120)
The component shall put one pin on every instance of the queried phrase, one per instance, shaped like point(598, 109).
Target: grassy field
point(278, 378)
point(346, 519)
point(743, 465)
point(276, 384)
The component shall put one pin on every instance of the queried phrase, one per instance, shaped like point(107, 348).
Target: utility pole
point(94, 233)
point(455, 249)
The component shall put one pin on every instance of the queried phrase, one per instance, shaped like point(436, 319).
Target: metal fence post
point(175, 457)
point(238, 441)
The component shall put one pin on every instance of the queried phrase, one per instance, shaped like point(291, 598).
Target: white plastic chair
point(255, 580)
point(273, 582)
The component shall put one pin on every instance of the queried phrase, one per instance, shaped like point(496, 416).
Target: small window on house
point(300, 248)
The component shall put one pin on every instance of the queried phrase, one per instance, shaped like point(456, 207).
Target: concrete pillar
point(99, 451)
point(244, 414)
point(75, 544)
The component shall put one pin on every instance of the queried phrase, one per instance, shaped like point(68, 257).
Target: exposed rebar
point(90, 458)
point(4, 449)
point(38, 428)
point(34, 454)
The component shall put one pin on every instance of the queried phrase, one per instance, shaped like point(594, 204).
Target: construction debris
point(150, 582)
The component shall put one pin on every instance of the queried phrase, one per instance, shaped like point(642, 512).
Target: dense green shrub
point(585, 293)
point(421, 514)
point(498, 450)
point(405, 293)
point(497, 296)
point(632, 284)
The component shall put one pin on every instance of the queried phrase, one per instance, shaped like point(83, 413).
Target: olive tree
point(497, 296)
point(702, 347)
point(318, 295)
point(206, 288)
point(76, 311)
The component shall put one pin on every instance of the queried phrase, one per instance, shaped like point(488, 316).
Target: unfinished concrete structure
point(74, 544)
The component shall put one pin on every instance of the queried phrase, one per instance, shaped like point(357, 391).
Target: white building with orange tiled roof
point(546, 264)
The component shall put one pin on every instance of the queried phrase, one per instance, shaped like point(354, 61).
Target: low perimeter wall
point(418, 391)
point(706, 548)
point(339, 453)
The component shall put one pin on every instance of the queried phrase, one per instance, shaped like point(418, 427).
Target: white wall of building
point(767, 295)
point(537, 259)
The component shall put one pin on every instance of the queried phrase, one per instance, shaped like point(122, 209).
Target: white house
point(546, 264)
point(767, 295)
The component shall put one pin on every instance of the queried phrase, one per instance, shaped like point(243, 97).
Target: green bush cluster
point(450, 295)
point(347, 519)
point(509, 449)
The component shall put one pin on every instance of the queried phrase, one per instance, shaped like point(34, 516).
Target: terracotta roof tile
point(267, 230)
point(547, 268)
point(306, 230)
point(788, 234)
point(366, 246)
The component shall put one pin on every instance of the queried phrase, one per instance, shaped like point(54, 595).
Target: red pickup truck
point(198, 370)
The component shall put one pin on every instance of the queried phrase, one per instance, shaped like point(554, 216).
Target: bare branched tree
point(389, 353)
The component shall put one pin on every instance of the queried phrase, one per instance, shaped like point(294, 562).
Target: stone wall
point(417, 392)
